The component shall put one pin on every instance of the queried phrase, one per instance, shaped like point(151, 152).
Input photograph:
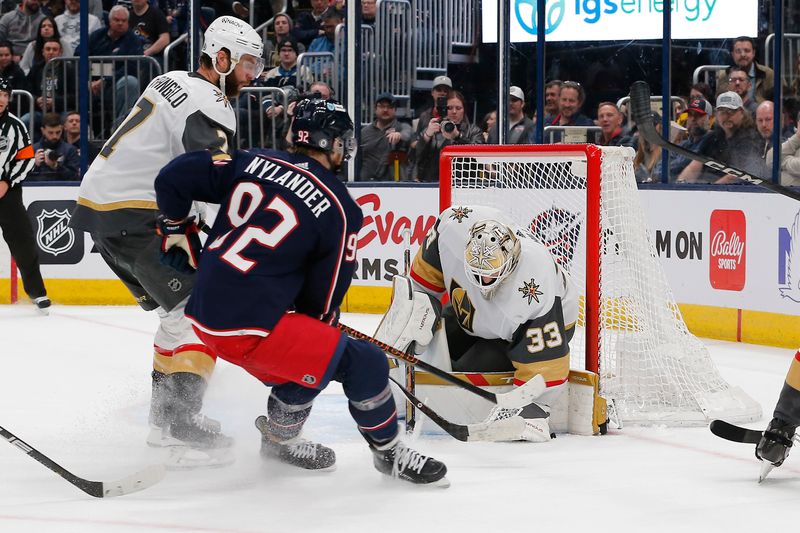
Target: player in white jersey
point(177, 112)
point(511, 308)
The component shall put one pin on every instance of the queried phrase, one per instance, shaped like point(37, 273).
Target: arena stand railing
point(791, 50)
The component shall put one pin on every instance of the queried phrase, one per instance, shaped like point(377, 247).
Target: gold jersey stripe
point(793, 376)
point(113, 206)
point(428, 272)
point(553, 370)
point(162, 363)
point(194, 362)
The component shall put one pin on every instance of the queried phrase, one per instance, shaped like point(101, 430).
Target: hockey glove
point(180, 244)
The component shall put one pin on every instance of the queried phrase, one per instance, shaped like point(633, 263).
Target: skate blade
point(185, 458)
point(766, 468)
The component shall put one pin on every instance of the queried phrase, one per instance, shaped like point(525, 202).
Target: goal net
point(582, 202)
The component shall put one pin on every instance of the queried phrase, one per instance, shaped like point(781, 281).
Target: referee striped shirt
point(16, 151)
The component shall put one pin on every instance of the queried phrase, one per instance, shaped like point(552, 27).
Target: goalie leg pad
point(412, 316)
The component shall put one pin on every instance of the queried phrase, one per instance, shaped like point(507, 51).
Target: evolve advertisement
point(613, 20)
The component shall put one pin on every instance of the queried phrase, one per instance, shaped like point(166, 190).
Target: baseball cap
point(729, 100)
point(386, 97)
point(442, 80)
point(289, 41)
point(516, 92)
point(700, 105)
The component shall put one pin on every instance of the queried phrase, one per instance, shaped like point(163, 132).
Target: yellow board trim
point(756, 327)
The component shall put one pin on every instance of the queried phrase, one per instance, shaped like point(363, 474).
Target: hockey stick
point(640, 112)
point(99, 489)
point(411, 378)
point(491, 429)
point(513, 399)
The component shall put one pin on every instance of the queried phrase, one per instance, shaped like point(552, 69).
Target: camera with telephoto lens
point(448, 126)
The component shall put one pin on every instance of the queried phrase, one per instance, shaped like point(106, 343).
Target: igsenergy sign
point(612, 20)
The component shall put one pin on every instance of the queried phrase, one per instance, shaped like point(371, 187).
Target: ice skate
point(774, 446)
point(398, 460)
point(42, 304)
point(296, 451)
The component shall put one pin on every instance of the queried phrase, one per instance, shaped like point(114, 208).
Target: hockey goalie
point(511, 314)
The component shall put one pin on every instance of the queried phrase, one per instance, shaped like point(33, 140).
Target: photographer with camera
point(55, 159)
point(385, 144)
point(453, 128)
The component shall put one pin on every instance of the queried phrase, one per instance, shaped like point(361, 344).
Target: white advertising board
point(613, 20)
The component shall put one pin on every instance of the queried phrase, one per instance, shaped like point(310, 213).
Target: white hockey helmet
point(492, 254)
point(238, 37)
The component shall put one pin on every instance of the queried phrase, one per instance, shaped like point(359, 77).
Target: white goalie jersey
point(177, 113)
point(534, 308)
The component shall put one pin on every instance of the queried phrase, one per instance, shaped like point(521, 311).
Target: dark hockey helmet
point(318, 122)
point(5, 86)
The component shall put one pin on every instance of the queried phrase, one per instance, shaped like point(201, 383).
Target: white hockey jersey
point(534, 308)
point(177, 113)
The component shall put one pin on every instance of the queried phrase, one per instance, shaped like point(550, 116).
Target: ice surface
point(76, 386)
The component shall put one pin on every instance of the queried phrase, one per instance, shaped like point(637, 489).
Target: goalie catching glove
point(180, 244)
point(412, 317)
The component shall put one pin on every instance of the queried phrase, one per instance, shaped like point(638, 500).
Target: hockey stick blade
point(734, 433)
point(99, 489)
point(520, 396)
point(500, 430)
point(640, 112)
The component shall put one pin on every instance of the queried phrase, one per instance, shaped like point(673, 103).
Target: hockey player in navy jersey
point(275, 267)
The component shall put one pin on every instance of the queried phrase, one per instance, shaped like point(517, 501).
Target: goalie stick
point(640, 112)
point(492, 429)
point(99, 489)
point(513, 399)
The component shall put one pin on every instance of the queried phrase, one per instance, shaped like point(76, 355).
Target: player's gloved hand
point(180, 244)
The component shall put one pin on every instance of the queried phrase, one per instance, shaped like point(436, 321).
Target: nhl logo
point(3, 144)
point(53, 232)
point(309, 379)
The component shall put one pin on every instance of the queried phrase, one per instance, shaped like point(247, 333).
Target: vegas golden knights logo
point(462, 306)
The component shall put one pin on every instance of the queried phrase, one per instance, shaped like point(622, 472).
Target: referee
point(16, 160)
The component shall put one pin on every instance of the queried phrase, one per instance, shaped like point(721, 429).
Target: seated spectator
point(309, 23)
point(385, 144)
point(764, 125)
point(762, 79)
point(699, 115)
point(790, 160)
point(282, 23)
point(9, 70)
point(21, 25)
point(570, 101)
point(552, 92)
point(734, 140)
point(698, 91)
point(51, 87)
point(369, 9)
point(647, 163)
point(520, 127)
point(326, 42)
point(68, 27)
point(609, 119)
point(55, 159)
point(118, 40)
point(33, 53)
point(51, 8)
point(72, 134)
point(150, 25)
point(453, 129)
point(488, 122)
point(739, 83)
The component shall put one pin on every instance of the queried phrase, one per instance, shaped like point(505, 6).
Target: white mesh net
point(649, 363)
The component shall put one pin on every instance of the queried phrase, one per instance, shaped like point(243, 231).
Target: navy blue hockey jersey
point(284, 238)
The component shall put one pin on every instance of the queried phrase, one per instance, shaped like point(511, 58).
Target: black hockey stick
point(489, 430)
point(640, 112)
point(513, 399)
point(99, 489)
point(734, 433)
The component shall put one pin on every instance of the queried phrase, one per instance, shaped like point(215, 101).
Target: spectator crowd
point(731, 121)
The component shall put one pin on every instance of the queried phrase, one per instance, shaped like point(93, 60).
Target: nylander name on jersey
point(269, 169)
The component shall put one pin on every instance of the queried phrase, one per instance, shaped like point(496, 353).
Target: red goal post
point(583, 203)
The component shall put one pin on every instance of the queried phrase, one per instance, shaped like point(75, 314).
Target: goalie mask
point(492, 254)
